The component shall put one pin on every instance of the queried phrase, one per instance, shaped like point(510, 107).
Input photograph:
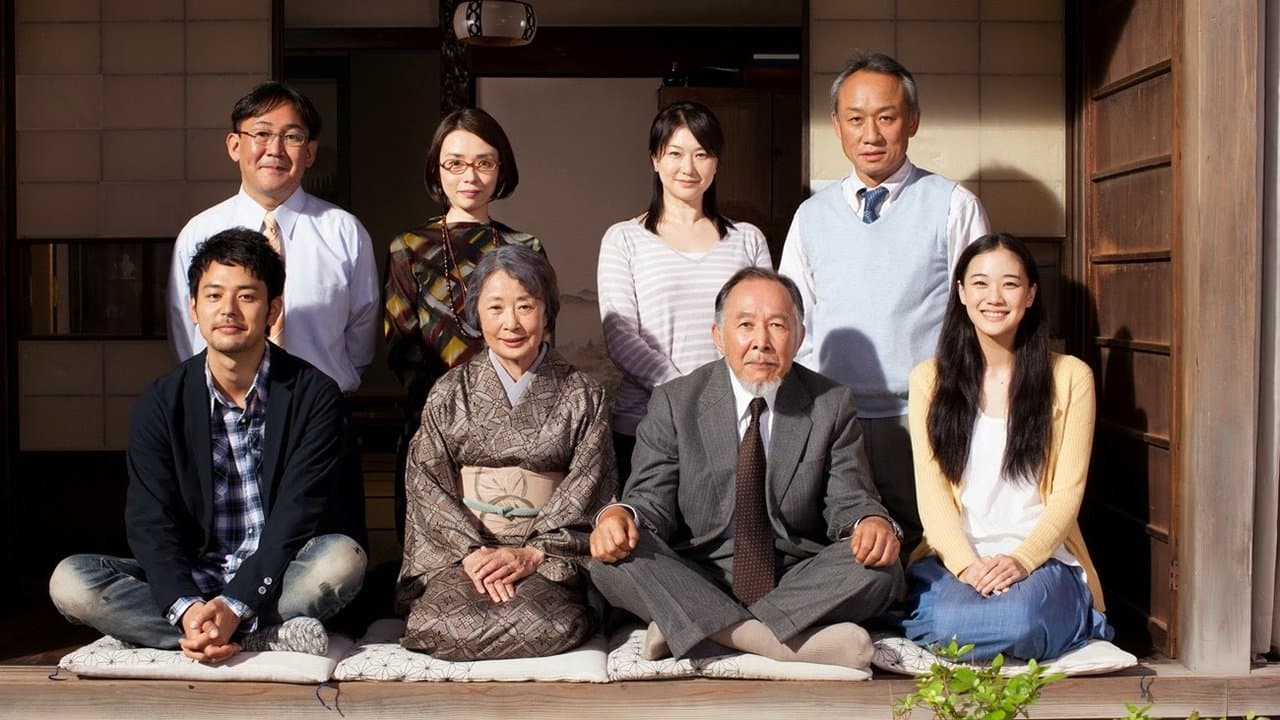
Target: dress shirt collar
point(515, 388)
point(257, 391)
point(853, 184)
point(248, 213)
point(742, 404)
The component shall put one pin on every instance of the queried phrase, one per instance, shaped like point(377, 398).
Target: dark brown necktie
point(752, 536)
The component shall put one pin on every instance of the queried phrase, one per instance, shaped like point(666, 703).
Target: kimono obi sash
point(506, 500)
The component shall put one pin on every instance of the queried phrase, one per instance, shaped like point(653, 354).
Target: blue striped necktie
point(871, 198)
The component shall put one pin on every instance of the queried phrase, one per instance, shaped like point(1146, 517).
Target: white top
point(657, 306)
point(966, 222)
point(998, 514)
point(331, 293)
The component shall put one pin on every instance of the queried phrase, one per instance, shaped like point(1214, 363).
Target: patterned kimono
point(559, 425)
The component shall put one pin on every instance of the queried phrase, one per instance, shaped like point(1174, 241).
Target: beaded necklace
point(460, 303)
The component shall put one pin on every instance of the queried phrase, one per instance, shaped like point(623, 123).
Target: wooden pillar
point(1218, 273)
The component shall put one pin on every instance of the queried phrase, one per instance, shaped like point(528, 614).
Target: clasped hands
point(993, 575)
point(207, 629)
point(495, 571)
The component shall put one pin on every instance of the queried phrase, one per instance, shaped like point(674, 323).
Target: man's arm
point(655, 470)
point(966, 221)
point(795, 265)
point(155, 513)
point(362, 318)
point(853, 503)
point(851, 492)
point(313, 456)
point(182, 331)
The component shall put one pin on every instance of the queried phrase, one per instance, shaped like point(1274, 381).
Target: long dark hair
point(706, 130)
point(961, 365)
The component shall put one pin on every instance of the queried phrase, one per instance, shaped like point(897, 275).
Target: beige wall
point(121, 112)
point(992, 96)
point(571, 192)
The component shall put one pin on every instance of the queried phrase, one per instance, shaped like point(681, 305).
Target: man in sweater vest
point(872, 255)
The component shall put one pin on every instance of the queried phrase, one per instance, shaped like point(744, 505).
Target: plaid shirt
point(236, 437)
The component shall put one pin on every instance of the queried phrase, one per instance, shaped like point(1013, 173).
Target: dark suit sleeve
point(311, 474)
point(851, 492)
point(655, 468)
point(155, 514)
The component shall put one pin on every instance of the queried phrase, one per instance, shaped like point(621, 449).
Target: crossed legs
point(111, 594)
point(687, 606)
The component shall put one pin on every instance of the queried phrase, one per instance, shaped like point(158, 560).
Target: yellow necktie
point(271, 229)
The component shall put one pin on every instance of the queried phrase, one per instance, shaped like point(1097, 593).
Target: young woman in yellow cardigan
point(1001, 430)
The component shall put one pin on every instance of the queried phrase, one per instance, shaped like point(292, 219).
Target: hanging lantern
point(497, 23)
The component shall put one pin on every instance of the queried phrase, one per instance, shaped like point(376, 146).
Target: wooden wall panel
point(1131, 476)
point(1134, 125)
point(1135, 391)
point(1130, 220)
point(1123, 563)
point(1134, 301)
point(1134, 212)
point(1127, 38)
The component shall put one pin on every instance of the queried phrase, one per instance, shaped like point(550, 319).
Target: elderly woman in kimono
point(511, 462)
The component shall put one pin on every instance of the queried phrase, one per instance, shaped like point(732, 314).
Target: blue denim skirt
point(1047, 614)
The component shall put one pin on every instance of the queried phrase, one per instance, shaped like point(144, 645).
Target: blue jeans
point(1043, 616)
point(111, 594)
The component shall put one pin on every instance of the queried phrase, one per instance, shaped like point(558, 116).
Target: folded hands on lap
point(993, 575)
point(495, 570)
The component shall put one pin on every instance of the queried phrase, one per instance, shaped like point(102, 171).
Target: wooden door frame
point(8, 242)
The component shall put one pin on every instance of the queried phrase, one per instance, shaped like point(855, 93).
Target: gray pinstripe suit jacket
point(682, 482)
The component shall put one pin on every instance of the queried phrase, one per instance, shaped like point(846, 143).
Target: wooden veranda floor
point(27, 692)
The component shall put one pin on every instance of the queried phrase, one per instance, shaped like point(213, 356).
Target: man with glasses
point(331, 301)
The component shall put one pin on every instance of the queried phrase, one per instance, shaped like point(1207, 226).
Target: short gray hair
point(528, 267)
point(880, 63)
point(752, 272)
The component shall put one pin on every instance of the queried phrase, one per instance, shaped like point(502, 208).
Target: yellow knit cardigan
point(1061, 482)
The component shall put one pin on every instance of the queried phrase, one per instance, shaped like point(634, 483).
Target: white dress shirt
point(331, 296)
point(742, 402)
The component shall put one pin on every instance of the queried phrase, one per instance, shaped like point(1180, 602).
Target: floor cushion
point(378, 656)
point(108, 657)
point(897, 654)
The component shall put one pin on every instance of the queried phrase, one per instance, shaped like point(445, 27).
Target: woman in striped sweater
point(1001, 430)
point(659, 273)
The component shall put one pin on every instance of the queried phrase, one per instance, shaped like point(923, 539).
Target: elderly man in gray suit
point(750, 517)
